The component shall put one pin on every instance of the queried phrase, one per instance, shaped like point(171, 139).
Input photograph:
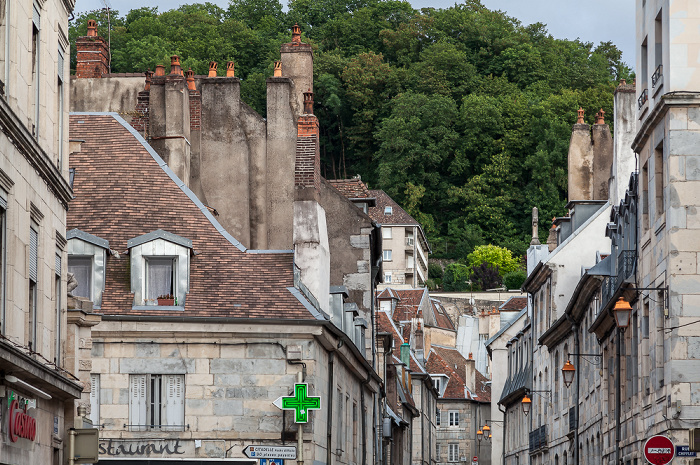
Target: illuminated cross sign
point(300, 402)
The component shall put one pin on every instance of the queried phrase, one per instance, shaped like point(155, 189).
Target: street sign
point(300, 402)
point(270, 452)
point(684, 451)
point(659, 450)
point(475, 460)
point(271, 461)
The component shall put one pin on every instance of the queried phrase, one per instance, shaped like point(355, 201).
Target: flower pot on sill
point(166, 302)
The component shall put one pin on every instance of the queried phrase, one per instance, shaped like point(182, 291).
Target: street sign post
point(659, 450)
point(300, 402)
point(270, 452)
point(475, 460)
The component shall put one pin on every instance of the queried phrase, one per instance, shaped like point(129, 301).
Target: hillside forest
point(463, 115)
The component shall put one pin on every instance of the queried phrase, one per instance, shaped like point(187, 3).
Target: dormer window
point(388, 210)
point(87, 259)
point(160, 267)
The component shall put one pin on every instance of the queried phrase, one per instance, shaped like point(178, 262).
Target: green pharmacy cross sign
point(300, 402)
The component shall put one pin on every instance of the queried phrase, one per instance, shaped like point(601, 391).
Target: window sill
point(158, 307)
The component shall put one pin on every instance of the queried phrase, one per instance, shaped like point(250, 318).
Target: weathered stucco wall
point(116, 94)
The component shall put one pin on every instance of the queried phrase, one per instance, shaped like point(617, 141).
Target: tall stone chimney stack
point(298, 65)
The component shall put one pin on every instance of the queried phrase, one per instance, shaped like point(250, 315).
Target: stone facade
point(38, 383)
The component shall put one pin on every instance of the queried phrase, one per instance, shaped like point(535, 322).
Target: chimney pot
point(580, 116)
point(175, 67)
point(296, 34)
point(278, 69)
point(149, 73)
point(623, 82)
point(212, 68)
point(160, 70)
point(92, 28)
point(190, 80)
point(470, 356)
point(229, 69)
point(309, 102)
point(599, 117)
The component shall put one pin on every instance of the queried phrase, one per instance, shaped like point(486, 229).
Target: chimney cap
point(212, 68)
point(580, 116)
point(296, 34)
point(230, 69)
point(309, 102)
point(91, 28)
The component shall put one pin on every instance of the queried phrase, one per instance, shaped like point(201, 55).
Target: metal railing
point(625, 265)
point(643, 99)
point(656, 76)
point(573, 419)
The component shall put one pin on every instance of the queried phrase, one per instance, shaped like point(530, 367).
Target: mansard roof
point(124, 190)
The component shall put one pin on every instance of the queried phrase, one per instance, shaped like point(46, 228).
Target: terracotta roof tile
point(121, 192)
point(514, 304)
point(448, 361)
point(442, 319)
point(351, 188)
point(398, 214)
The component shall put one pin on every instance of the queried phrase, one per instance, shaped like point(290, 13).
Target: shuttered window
point(33, 253)
point(174, 402)
point(138, 412)
point(95, 399)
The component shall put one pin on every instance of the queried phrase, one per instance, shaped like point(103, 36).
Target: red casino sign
point(659, 450)
point(21, 425)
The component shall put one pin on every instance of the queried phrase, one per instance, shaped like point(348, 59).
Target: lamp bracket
point(538, 392)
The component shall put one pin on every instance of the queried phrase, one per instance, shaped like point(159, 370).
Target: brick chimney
point(92, 58)
point(310, 232)
point(140, 120)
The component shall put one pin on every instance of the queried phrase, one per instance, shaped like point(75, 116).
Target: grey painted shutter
point(137, 402)
point(58, 264)
point(33, 254)
point(60, 63)
point(95, 399)
point(174, 400)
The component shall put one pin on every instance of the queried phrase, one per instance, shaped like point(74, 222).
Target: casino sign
point(21, 425)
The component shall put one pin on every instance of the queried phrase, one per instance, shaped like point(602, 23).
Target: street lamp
point(479, 435)
point(526, 403)
point(568, 371)
point(486, 429)
point(622, 311)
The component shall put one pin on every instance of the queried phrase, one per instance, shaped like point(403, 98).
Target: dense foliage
point(463, 115)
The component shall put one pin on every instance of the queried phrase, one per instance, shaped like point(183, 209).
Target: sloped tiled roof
point(442, 319)
point(408, 304)
point(123, 190)
point(387, 326)
point(398, 214)
point(351, 188)
point(514, 304)
point(448, 361)
point(388, 293)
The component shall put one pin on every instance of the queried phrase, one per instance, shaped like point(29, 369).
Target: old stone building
point(38, 365)
point(200, 334)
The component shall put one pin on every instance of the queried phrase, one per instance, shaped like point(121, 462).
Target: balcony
point(643, 99)
point(538, 439)
point(409, 242)
point(626, 262)
point(573, 420)
point(657, 79)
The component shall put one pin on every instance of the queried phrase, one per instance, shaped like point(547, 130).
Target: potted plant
point(166, 300)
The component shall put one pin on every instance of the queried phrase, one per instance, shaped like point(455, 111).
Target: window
point(81, 267)
point(437, 412)
point(160, 264)
point(33, 277)
point(36, 27)
point(437, 382)
point(386, 232)
point(437, 452)
point(156, 402)
point(453, 452)
point(387, 277)
point(355, 442)
point(453, 418)
point(59, 96)
point(95, 399)
point(87, 260)
point(388, 210)
point(409, 238)
point(58, 292)
point(387, 255)
point(341, 424)
point(659, 180)
point(3, 208)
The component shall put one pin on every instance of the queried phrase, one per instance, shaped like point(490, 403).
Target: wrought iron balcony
point(538, 439)
point(656, 76)
point(626, 262)
point(573, 420)
point(643, 99)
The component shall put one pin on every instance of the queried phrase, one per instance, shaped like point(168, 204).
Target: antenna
point(108, 6)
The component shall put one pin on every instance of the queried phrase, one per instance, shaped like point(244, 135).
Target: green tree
point(498, 257)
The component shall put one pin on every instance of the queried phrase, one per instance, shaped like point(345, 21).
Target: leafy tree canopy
point(462, 114)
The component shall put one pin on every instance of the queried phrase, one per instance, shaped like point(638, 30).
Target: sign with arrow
point(270, 452)
point(300, 402)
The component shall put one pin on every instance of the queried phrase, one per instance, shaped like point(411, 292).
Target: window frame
point(155, 406)
point(387, 232)
point(453, 418)
point(453, 452)
point(387, 277)
point(388, 210)
point(387, 255)
point(82, 245)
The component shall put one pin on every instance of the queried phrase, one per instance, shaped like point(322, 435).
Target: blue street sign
point(684, 451)
point(271, 461)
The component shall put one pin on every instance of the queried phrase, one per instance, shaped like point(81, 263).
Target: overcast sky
point(591, 21)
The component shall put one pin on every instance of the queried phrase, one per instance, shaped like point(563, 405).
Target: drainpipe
point(617, 397)
point(362, 415)
point(577, 351)
point(503, 434)
point(329, 437)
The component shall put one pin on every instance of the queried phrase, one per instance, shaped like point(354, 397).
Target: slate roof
point(514, 304)
point(123, 190)
point(398, 216)
point(448, 361)
point(352, 188)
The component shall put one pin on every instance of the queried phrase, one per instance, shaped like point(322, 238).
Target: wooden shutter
point(174, 402)
point(95, 399)
point(137, 402)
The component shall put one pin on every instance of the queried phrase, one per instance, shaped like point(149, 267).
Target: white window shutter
point(95, 399)
point(174, 401)
point(33, 254)
point(137, 402)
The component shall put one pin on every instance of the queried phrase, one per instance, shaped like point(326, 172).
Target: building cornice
point(671, 99)
point(11, 126)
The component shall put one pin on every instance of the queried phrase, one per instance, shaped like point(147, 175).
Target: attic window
point(388, 210)
point(87, 260)
point(160, 268)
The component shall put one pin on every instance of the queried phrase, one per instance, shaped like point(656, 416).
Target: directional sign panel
point(300, 402)
point(270, 452)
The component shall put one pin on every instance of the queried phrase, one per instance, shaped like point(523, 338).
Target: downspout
point(329, 437)
point(362, 415)
point(617, 398)
point(374, 269)
point(503, 439)
point(577, 351)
